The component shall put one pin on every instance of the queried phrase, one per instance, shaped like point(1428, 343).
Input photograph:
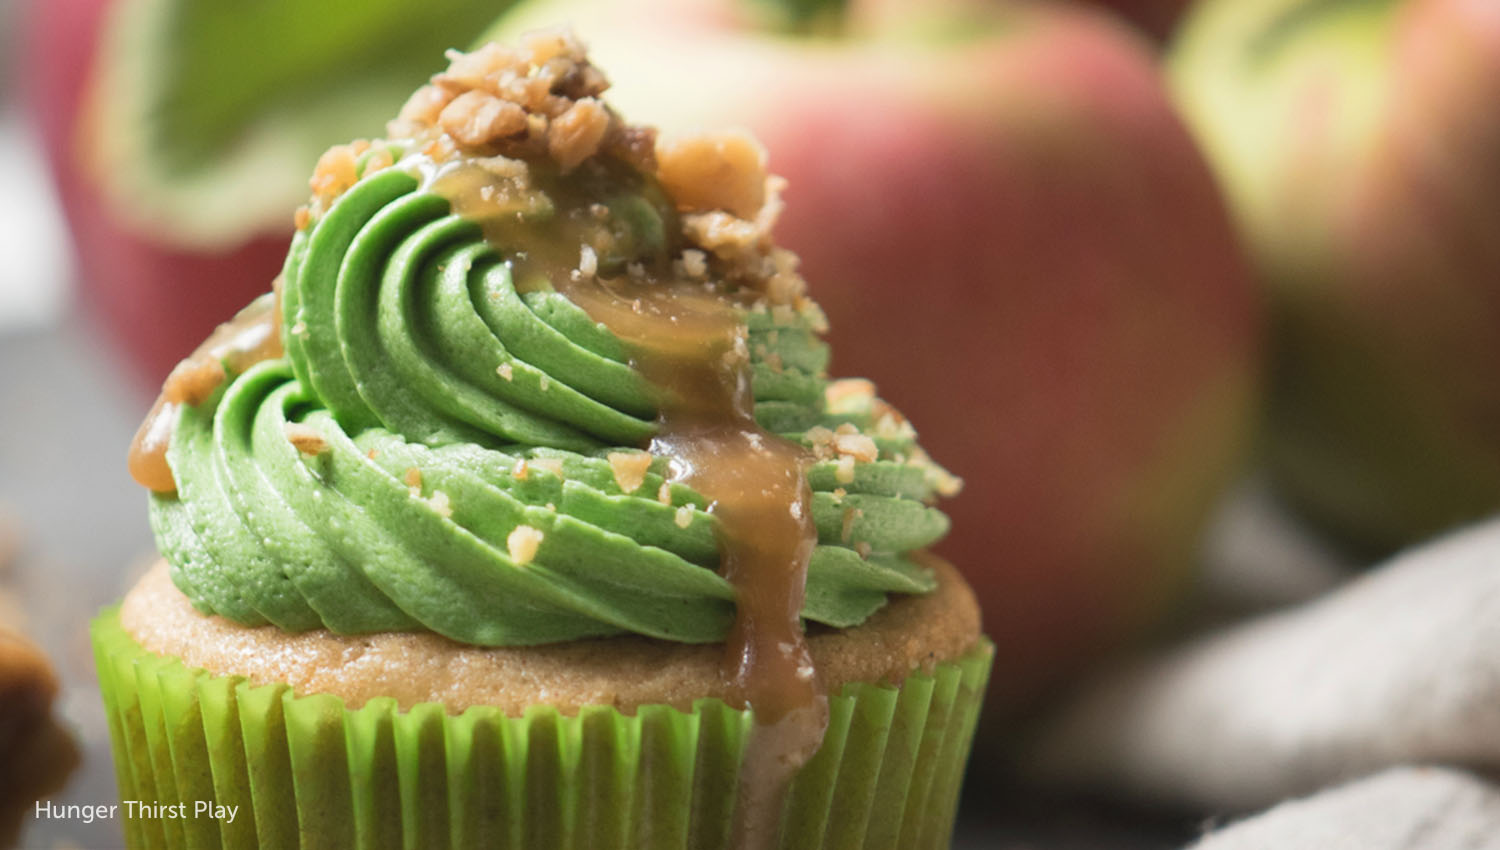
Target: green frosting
point(408, 347)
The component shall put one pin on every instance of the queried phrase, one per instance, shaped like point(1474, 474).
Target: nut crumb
point(438, 501)
point(844, 472)
point(629, 469)
point(505, 372)
point(549, 464)
point(857, 446)
point(684, 516)
point(306, 438)
point(522, 543)
point(664, 493)
point(849, 395)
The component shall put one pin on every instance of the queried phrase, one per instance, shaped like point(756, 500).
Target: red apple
point(1015, 237)
point(1360, 144)
point(157, 300)
point(144, 103)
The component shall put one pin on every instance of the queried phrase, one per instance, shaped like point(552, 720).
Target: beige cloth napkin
point(1404, 808)
point(1400, 666)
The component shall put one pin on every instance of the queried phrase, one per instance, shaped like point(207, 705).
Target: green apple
point(1359, 142)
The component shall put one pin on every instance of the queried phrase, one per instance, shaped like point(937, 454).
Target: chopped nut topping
point(539, 99)
point(629, 469)
point(306, 438)
point(714, 171)
point(844, 472)
point(335, 172)
point(684, 516)
point(521, 471)
point(504, 371)
point(522, 543)
point(822, 442)
point(578, 133)
point(694, 264)
point(413, 479)
point(438, 501)
point(476, 118)
point(849, 395)
point(664, 493)
point(549, 464)
point(588, 263)
point(857, 446)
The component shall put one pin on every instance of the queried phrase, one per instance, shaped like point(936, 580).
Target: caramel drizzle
point(688, 339)
point(253, 335)
point(689, 343)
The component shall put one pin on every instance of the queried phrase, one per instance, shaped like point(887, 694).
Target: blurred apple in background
point(1360, 144)
point(181, 132)
point(1014, 236)
point(1156, 17)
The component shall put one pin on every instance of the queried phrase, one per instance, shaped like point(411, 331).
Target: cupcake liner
point(305, 771)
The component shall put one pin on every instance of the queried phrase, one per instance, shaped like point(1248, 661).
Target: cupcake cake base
point(227, 736)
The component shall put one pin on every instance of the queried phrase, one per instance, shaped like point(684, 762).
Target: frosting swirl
point(447, 438)
point(426, 409)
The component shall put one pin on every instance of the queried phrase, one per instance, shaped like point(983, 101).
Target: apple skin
point(1016, 238)
point(156, 301)
point(1362, 156)
point(1157, 17)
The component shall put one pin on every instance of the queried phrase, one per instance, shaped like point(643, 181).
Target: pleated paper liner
point(304, 771)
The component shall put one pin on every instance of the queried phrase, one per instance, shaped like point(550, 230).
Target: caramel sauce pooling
point(253, 335)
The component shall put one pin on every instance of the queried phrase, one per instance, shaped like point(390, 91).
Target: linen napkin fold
point(1403, 808)
point(1400, 666)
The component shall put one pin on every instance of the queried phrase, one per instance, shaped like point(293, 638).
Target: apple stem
point(803, 17)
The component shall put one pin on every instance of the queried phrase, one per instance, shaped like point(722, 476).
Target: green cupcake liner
point(305, 771)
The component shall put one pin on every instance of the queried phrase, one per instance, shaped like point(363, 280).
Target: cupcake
point(522, 513)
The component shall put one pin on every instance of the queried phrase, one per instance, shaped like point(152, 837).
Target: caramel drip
point(690, 344)
point(688, 339)
point(253, 335)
